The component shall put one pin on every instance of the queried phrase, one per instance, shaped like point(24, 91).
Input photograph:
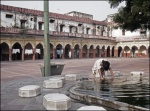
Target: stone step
point(29, 91)
point(56, 101)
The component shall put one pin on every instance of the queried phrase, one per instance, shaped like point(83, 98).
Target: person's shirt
point(97, 63)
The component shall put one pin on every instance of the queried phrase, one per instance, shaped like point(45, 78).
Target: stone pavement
point(17, 74)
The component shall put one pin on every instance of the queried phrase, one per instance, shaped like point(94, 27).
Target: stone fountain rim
point(104, 102)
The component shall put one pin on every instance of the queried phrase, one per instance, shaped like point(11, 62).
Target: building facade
point(22, 36)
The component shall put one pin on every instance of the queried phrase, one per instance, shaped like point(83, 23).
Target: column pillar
point(87, 55)
point(116, 52)
point(130, 53)
point(139, 55)
point(80, 53)
point(94, 53)
point(72, 53)
point(10, 54)
point(34, 51)
point(100, 51)
point(147, 53)
point(105, 53)
point(110, 53)
point(54, 53)
point(23, 53)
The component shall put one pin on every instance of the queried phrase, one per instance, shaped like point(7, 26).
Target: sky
point(99, 9)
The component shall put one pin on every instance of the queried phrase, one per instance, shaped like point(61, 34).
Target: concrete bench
point(52, 83)
point(61, 78)
point(71, 77)
point(56, 69)
point(29, 91)
point(56, 101)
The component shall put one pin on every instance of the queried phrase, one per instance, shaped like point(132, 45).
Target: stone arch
point(58, 52)
point(126, 51)
point(76, 51)
point(134, 51)
point(120, 51)
point(91, 51)
point(97, 51)
point(28, 55)
point(113, 51)
point(108, 51)
point(142, 51)
point(103, 51)
point(39, 53)
point(16, 51)
point(4, 52)
point(67, 51)
point(84, 51)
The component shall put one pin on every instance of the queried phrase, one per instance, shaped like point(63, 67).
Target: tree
point(134, 15)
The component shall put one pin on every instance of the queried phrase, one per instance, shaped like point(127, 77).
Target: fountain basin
point(115, 96)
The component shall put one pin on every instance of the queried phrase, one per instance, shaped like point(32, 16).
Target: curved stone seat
point(56, 101)
point(29, 91)
point(71, 77)
point(60, 78)
point(92, 108)
point(53, 83)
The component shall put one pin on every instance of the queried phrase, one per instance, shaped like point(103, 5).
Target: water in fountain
point(131, 90)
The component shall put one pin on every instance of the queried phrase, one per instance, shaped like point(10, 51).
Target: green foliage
point(133, 14)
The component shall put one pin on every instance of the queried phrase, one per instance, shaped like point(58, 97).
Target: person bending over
point(101, 66)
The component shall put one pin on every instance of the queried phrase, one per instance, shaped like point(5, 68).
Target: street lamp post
point(47, 70)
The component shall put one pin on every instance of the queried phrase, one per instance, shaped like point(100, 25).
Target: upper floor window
point(87, 30)
point(9, 16)
point(22, 22)
point(123, 32)
point(40, 25)
point(51, 21)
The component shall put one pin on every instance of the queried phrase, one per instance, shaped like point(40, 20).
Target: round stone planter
point(56, 101)
point(29, 91)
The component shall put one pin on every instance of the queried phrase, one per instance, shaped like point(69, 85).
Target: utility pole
point(47, 70)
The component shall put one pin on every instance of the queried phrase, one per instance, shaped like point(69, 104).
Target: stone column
point(130, 53)
point(110, 53)
point(139, 55)
point(147, 53)
point(116, 52)
point(94, 53)
point(105, 53)
point(54, 53)
point(80, 53)
point(23, 53)
point(34, 51)
point(72, 53)
point(87, 55)
point(100, 51)
point(10, 54)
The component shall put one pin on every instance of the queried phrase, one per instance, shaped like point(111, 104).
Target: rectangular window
point(40, 25)
point(123, 32)
point(9, 16)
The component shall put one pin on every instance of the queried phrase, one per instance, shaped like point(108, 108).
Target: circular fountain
point(119, 93)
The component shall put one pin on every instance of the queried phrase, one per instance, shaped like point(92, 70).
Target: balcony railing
point(4, 30)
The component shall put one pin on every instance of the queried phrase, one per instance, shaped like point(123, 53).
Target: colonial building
point(22, 36)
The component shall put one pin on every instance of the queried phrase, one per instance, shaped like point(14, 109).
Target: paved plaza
point(17, 74)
